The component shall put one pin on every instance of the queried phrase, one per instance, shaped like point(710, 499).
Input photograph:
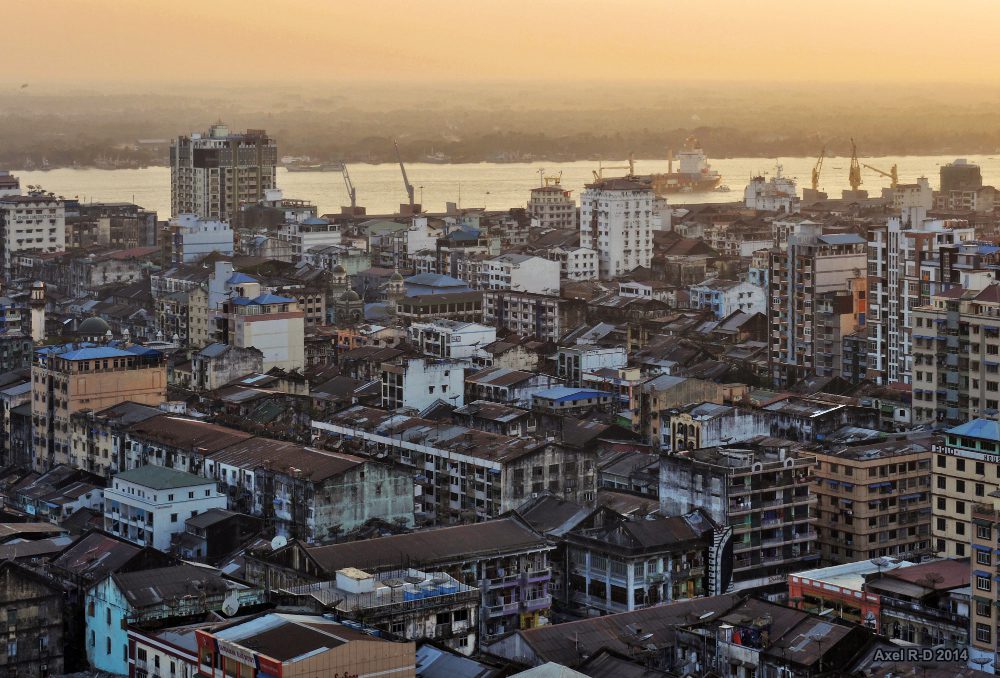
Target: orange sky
point(245, 40)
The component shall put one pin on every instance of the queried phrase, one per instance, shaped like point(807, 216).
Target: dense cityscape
point(520, 339)
point(604, 432)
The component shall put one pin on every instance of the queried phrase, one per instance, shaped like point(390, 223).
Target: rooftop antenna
point(541, 176)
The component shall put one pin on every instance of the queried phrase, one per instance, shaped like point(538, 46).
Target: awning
point(980, 547)
point(876, 486)
point(910, 497)
point(981, 573)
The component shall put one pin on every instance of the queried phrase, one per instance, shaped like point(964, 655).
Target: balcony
point(502, 582)
point(535, 604)
point(503, 609)
point(537, 575)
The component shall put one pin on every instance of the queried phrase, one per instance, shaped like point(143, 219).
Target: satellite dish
point(231, 604)
point(278, 542)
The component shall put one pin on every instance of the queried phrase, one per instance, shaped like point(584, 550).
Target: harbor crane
point(351, 191)
point(817, 169)
point(854, 174)
point(599, 172)
point(892, 175)
point(406, 181)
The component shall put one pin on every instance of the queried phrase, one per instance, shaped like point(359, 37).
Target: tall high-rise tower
point(213, 173)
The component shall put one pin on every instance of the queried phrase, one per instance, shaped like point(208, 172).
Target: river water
point(494, 186)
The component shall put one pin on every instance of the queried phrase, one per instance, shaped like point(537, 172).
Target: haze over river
point(494, 186)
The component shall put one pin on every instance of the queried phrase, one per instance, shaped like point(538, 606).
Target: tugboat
point(694, 173)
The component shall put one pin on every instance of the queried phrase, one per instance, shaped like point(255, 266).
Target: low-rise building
point(502, 385)
point(451, 339)
point(532, 315)
point(154, 596)
point(566, 400)
point(574, 362)
point(298, 646)
point(521, 273)
point(218, 364)
point(149, 505)
point(410, 604)
point(723, 297)
point(710, 424)
point(506, 559)
point(625, 565)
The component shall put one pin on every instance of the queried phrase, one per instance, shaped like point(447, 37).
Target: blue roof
point(241, 301)
point(237, 278)
point(95, 353)
point(987, 429)
point(315, 221)
point(435, 280)
point(135, 349)
point(463, 235)
point(272, 299)
point(987, 249)
point(565, 393)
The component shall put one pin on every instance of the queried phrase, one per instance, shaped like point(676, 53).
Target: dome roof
point(350, 295)
point(339, 270)
point(93, 327)
point(396, 277)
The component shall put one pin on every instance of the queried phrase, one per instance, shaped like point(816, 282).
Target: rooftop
point(161, 478)
point(289, 638)
point(987, 429)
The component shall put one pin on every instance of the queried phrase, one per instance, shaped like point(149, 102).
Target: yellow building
point(874, 500)
point(73, 377)
point(966, 472)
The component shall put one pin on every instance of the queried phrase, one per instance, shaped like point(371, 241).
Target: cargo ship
point(693, 174)
point(324, 167)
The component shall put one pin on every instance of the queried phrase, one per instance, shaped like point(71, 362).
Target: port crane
point(854, 174)
point(892, 175)
point(817, 169)
point(406, 181)
point(599, 172)
point(351, 191)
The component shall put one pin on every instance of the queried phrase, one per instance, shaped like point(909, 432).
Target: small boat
point(722, 189)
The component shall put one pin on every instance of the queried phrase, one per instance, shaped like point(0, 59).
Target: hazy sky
point(244, 40)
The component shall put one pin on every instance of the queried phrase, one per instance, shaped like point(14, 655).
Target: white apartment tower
point(214, 173)
point(898, 282)
point(31, 223)
point(616, 220)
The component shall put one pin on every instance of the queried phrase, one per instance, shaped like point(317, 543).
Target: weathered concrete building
point(218, 364)
point(33, 607)
point(763, 491)
point(710, 424)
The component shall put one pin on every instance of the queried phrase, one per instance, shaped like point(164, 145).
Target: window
point(942, 504)
point(983, 632)
point(983, 583)
point(960, 507)
point(107, 616)
point(190, 495)
point(983, 531)
point(960, 486)
point(107, 646)
point(982, 557)
point(173, 517)
point(941, 482)
point(942, 462)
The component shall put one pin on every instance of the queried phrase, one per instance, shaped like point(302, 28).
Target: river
point(494, 186)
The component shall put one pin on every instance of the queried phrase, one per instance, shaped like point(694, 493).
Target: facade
point(616, 220)
point(984, 609)
point(723, 297)
point(710, 425)
point(874, 501)
point(212, 174)
point(188, 239)
point(896, 257)
point(275, 325)
point(418, 383)
point(451, 339)
point(74, 377)
point(31, 223)
point(148, 505)
point(966, 469)
point(630, 564)
point(661, 394)
point(218, 364)
point(531, 315)
point(956, 356)
point(575, 263)
point(764, 494)
point(574, 363)
point(34, 606)
point(812, 264)
point(508, 560)
point(552, 206)
point(464, 473)
point(521, 273)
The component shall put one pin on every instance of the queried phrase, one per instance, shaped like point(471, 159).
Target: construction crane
point(406, 181)
point(351, 191)
point(818, 168)
point(892, 175)
point(854, 175)
point(599, 172)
